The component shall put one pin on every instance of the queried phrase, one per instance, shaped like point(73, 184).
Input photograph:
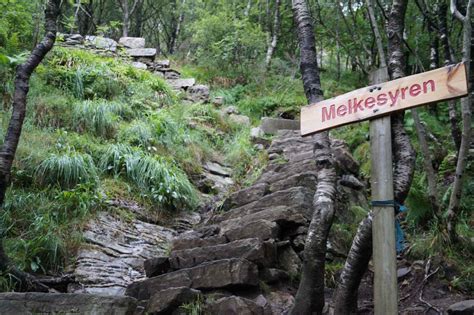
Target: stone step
point(261, 229)
point(282, 215)
point(245, 196)
point(234, 305)
point(166, 301)
point(142, 52)
point(157, 266)
point(278, 172)
point(308, 180)
point(273, 125)
point(226, 273)
point(132, 42)
point(65, 303)
point(197, 241)
point(181, 84)
point(298, 146)
point(297, 197)
point(251, 249)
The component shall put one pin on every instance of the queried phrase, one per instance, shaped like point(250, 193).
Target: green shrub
point(229, 44)
point(66, 170)
point(88, 76)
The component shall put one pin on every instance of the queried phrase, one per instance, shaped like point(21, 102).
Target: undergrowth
point(98, 129)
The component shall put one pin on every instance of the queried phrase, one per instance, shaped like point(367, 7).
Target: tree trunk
point(378, 37)
point(428, 165)
point(455, 199)
point(12, 137)
point(276, 30)
point(177, 29)
point(310, 296)
point(449, 59)
point(137, 27)
point(361, 249)
point(404, 154)
point(126, 18)
point(434, 55)
point(346, 295)
point(127, 12)
point(247, 8)
point(86, 21)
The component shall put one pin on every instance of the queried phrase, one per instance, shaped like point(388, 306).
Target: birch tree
point(276, 30)
point(361, 249)
point(466, 103)
point(128, 9)
point(310, 296)
point(15, 125)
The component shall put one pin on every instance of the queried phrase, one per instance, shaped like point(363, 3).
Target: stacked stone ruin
point(134, 50)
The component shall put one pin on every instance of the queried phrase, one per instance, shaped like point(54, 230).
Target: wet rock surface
point(115, 254)
point(64, 303)
point(462, 308)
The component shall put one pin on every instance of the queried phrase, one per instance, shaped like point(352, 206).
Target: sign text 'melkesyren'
point(389, 98)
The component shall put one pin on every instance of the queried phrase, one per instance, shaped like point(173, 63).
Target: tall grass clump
point(166, 184)
point(241, 153)
point(138, 133)
point(100, 117)
point(41, 229)
point(66, 170)
point(157, 178)
point(112, 159)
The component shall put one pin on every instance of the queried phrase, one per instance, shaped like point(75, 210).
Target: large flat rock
point(297, 197)
point(279, 172)
point(101, 42)
point(261, 229)
point(65, 303)
point(245, 196)
point(462, 308)
point(115, 254)
point(251, 249)
point(181, 84)
point(282, 215)
point(166, 301)
point(234, 305)
point(213, 275)
point(184, 242)
point(142, 52)
point(132, 42)
point(273, 125)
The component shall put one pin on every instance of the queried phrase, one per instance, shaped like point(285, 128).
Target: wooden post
point(383, 227)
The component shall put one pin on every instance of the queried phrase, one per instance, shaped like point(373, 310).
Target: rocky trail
point(241, 254)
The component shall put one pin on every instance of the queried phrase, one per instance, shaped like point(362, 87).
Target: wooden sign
point(382, 99)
